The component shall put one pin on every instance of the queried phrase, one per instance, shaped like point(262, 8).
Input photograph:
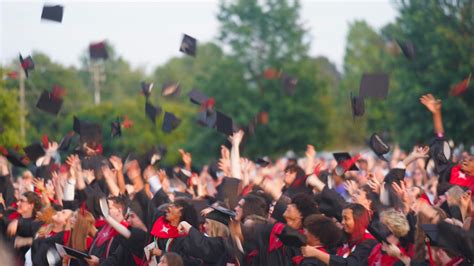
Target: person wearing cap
point(323, 234)
point(223, 243)
point(358, 243)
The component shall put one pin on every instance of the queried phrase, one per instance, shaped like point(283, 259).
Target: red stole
point(107, 233)
point(275, 242)
point(461, 179)
point(378, 257)
point(163, 229)
point(298, 259)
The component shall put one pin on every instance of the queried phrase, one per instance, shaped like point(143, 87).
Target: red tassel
point(45, 141)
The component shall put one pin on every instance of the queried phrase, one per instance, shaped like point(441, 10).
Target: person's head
point(396, 222)
point(215, 228)
point(82, 224)
point(171, 259)
point(453, 195)
point(418, 177)
point(355, 219)
point(250, 205)
point(366, 197)
point(62, 217)
point(292, 173)
point(180, 210)
point(467, 165)
point(321, 230)
point(301, 206)
point(117, 208)
point(363, 165)
point(29, 204)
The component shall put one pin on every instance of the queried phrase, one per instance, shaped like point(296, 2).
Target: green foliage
point(9, 116)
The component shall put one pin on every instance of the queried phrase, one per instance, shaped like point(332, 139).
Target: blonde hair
point(216, 229)
point(396, 222)
point(46, 217)
point(83, 228)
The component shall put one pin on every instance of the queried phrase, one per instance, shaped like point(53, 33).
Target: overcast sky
point(148, 33)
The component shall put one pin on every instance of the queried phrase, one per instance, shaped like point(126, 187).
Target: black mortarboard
point(213, 169)
point(98, 51)
point(378, 146)
point(170, 122)
point(380, 231)
point(289, 84)
point(228, 191)
point(394, 175)
point(89, 132)
point(188, 45)
point(374, 85)
point(146, 88)
point(408, 49)
point(73, 252)
point(292, 238)
point(221, 215)
point(44, 171)
point(224, 124)
point(66, 142)
point(357, 106)
point(15, 158)
point(199, 205)
point(34, 151)
point(48, 103)
point(207, 118)
point(54, 13)
point(345, 162)
point(183, 175)
point(116, 128)
point(153, 156)
point(152, 111)
point(170, 89)
point(197, 97)
point(27, 64)
point(441, 153)
point(263, 161)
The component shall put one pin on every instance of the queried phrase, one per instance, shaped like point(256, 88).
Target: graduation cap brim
point(262, 162)
point(374, 85)
point(408, 49)
point(34, 151)
point(49, 104)
point(357, 106)
point(378, 146)
point(75, 253)
point(344, 156)
point(52, 13)
point(188, 45)
point(221, 215)
point(292, 238)
point(395, 175)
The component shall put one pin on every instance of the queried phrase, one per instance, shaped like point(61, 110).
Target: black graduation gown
point(358, 256)
point(105, 249)
point(40, 247)
point(130, 251)
point(211, 250)
point(26, 228)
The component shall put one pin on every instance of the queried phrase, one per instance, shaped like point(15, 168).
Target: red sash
point(163, 229)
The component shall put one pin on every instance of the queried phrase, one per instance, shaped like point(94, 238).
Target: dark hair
point(121, 201)
point(375, 205)
point(188, 213)
point(173, 259)
point(254, 205)
point(34, 199)
point(324, 228)
point(295, 169)
point(361, 221)
point(305, 204)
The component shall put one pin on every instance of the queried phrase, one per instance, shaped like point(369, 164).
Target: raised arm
point(434, 106)
point(235, 168)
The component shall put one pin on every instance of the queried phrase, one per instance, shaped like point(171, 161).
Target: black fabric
point(359, 256)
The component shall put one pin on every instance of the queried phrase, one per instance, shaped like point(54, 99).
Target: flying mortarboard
point(98, 51)
point(89, 132)
point(374, 85)
point(34, 151)
point(460, 87)
point(345, 162)
point(408, 49)
point(66, 142)
point(184, 176)
point(146, 88)
point(357, 106)
point(15, 158)
point(116, 128)
point(51, 102)
point(170, 89)
point(378, 146)
point(152, 111)
point(53, 13)
point(207, 118)
point(197, 97)
point(188, 45)
point(170, 122)
point(224, 124)
point(27, 64)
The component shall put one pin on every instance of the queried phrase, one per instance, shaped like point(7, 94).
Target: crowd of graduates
point(374, 208)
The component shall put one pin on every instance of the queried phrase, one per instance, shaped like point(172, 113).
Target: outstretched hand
point(431, 103)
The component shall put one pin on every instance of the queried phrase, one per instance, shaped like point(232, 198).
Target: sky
point(148, 33)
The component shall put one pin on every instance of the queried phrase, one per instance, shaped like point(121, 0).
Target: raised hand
point(186, 157)
point(116, 162)
point(431, 103)
point(236, 138)
point(401, 191)
point(351, 186)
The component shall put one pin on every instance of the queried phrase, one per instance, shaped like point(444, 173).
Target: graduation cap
point(45, 171)
point(460, 87)
point(378, 146)
point(224, 124)
point(72, 252)
point(345, 162)
point(89, 132)
point(440, 152)
point(116, 128)
point(357, 106)
point(263, 161)
point(394, 175)
point(184, 176)
point(153, 156)
point(289, 84)
point(207, 118)
point(53, 13)
point(27, 64)
point(374, 85)
point(199, 205)
point(188, 45)
point(380, 231)
point(221, 215)
point(98, 51)
point(170, 122)
point(213, 169)
point(34, 151)
point(451, 237)
point(228, 191)
point(50, 102)
point(408, 49)
point(146, 88)
point(292, 238)
point(197, 97)
point(152, 111)
point(170, 89)
point(66, 142)
point(15, 158)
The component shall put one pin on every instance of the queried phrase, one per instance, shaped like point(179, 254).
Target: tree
point(10, 137)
